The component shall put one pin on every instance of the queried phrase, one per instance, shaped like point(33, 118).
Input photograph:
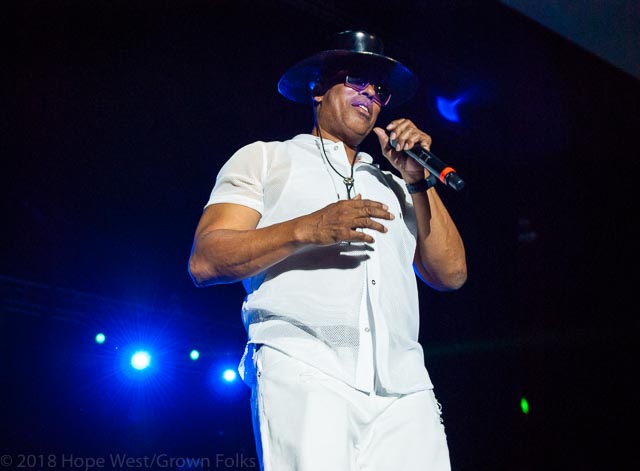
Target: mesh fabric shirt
point(351, 310)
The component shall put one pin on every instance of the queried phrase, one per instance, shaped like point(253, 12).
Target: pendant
point(348, 183)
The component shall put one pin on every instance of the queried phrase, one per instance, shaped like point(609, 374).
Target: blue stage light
point(448, 108)
point(229, 375)
point(224, 381)
point(140, 360)
point(100, 338)
point(194, 355)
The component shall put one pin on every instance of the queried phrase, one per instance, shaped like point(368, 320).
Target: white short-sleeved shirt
point(349, 310)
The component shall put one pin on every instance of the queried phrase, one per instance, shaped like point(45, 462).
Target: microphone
point(436, 167)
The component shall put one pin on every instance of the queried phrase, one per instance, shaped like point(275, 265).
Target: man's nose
point(369, 91)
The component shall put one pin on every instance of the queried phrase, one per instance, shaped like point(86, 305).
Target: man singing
point(329, 248)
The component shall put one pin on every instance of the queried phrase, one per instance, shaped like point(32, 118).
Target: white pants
point(305, 420)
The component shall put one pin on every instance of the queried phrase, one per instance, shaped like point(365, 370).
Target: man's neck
point(349, 149)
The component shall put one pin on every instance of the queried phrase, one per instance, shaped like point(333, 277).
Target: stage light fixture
point(524, 405)
point(140, 360)
point(229, 375)
point(194, 355)
point(100, 338)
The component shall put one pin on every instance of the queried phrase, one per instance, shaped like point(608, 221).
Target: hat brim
point(298, 81)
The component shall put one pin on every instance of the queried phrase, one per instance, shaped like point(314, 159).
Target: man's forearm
point(440, 255)
point(228, 248)
point(227, 255)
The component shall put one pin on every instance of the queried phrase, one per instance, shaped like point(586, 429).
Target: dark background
point(121, 114)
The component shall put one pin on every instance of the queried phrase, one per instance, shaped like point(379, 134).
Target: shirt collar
point(306, 139)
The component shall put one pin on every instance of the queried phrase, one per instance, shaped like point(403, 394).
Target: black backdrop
point(125, 111)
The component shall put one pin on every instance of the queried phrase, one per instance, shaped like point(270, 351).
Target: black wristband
point(422, 185)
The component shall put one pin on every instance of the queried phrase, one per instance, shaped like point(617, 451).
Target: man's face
point(346, 114)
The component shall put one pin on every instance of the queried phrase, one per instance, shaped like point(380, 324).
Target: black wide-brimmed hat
point(355, 52)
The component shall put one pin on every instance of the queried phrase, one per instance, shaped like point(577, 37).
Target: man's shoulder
point(266, 153)
point(297, 139)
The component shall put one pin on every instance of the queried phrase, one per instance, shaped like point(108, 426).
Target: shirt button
point(373, 282)
point(367, 329)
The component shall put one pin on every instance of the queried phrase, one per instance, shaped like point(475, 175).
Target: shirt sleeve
point(241, 178)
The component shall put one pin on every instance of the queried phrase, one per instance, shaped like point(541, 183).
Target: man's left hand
point(407, 136)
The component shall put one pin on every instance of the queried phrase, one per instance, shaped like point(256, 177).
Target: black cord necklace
point(348, 181)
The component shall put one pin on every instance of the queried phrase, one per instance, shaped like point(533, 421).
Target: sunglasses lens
point(356, 83)
point(382, 92)
point(382, 95)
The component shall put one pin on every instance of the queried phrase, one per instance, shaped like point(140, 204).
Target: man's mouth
point(364, 108)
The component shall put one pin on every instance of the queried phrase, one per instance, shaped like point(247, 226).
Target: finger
point(409, 136)
point(425, 145)
point(373, 204)
point(369, 208)
point(418, 138)
point(368, 223)
point(377, 213)
point(358, 204)
point(359, 236)
point(394, 124)
point(399, 129)
point(383, 139)
point(425, 141)
point(415, 138)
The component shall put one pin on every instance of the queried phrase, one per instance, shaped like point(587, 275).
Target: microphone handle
point(437, 167)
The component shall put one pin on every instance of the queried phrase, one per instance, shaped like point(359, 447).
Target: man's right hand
point(227, 246)
point(340, 221)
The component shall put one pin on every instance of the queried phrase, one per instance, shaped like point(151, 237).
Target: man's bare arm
point(227, 246)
